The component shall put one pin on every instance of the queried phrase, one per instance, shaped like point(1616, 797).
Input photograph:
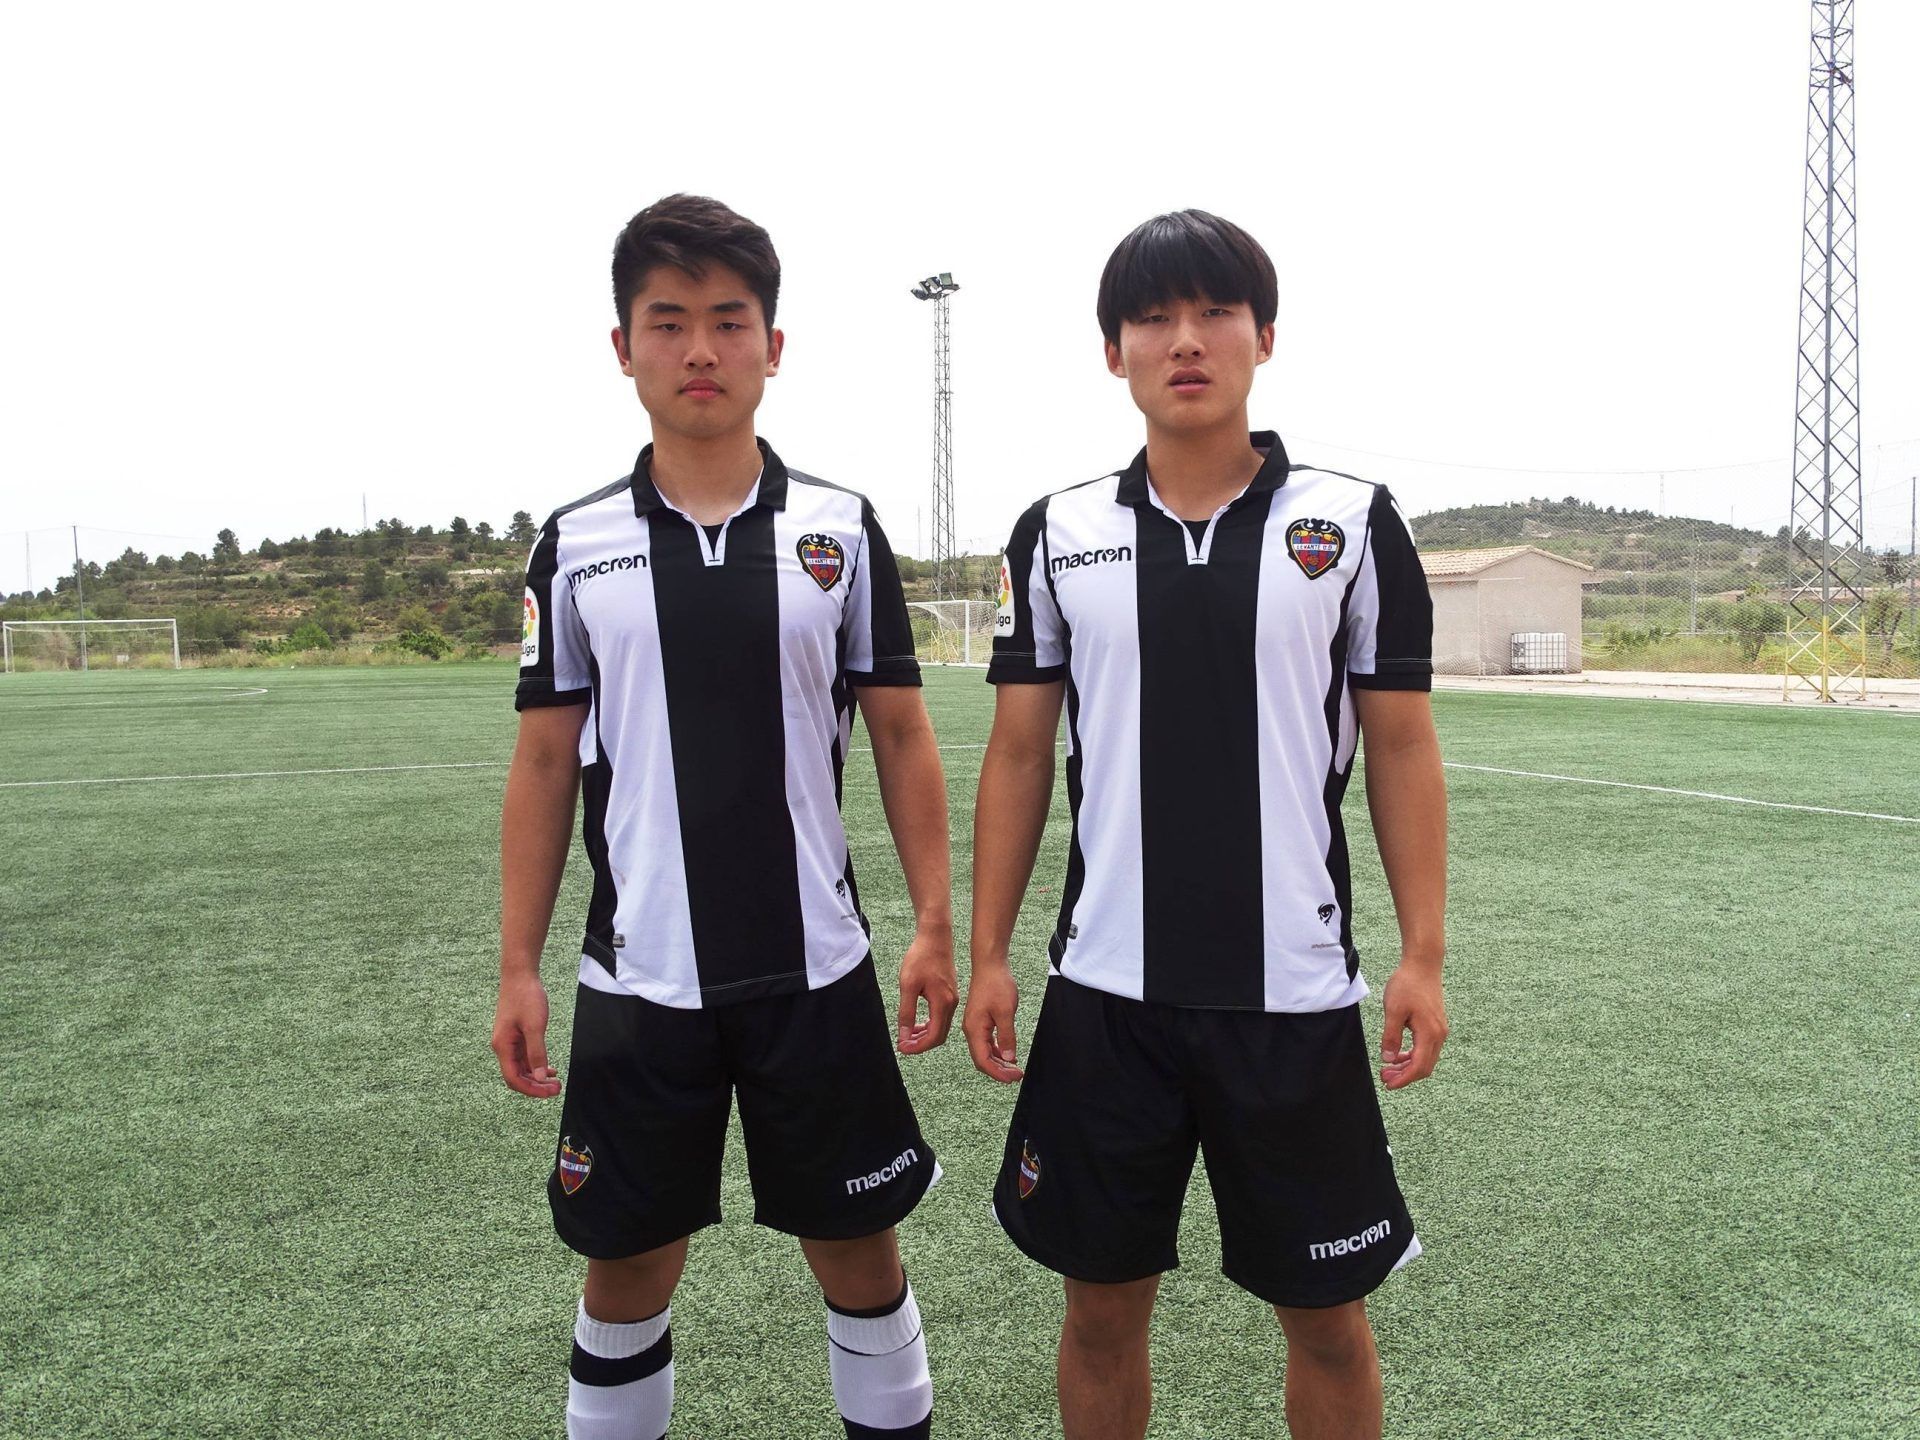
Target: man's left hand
point(1413, 1003)
point(927, 973)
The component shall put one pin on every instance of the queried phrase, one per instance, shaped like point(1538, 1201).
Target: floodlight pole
point(947, 579)
point(80, 588)
point(1826, 540)
point(1913, 558)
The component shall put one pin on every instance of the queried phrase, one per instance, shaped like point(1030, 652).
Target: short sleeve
point(878, 639)
point(1390, 614)
point(1029, 634)
point(554, 652)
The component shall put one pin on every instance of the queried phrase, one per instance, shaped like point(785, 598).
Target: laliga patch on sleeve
point(530, 631)
point(1003, 620)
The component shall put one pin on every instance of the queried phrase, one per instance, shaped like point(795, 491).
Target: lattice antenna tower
point(1827, 564)
point(947, 578)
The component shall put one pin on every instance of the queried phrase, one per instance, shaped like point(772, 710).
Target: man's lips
point(700, 389)
point(1189, 382)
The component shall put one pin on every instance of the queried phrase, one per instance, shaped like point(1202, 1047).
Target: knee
point(1109, 1317)
point(857, 1274)
point(1337, 1337)
point(634, 1287)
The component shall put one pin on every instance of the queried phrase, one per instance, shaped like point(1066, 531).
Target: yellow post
point(1826, 634)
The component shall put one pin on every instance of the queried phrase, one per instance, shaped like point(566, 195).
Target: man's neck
point(706, 477)
point(1196, 472)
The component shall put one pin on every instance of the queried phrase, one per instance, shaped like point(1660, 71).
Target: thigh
point(1102, 1141)
point(1310, 1212)
point(643, 1126)
point(832, 1143)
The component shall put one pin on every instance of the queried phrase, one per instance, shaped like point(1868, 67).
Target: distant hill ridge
point(1606, 538)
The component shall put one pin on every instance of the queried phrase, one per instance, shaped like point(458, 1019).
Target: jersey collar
point(773, 481)
point(1271, 475)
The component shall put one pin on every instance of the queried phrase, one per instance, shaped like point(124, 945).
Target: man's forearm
point(1016, 789)
point(1407, 798)
point(913, 791)
point(536, 825)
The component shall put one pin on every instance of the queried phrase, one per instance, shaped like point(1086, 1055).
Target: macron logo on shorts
point(1347, 1244)
point(885, 1173)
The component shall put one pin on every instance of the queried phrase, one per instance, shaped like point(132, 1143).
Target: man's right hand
point(992, 997)
point(520, 1038)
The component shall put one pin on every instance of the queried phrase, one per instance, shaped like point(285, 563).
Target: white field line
point(217, 693)
point(1688, 794)
point(863, 749)
point(254, 774)
point(287, 774)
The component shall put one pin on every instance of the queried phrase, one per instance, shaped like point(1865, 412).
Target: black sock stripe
point(591, 1369)
point(921, 1430)
point(877, 1311)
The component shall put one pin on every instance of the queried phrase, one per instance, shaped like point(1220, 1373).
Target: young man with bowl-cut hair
point(1222, 626)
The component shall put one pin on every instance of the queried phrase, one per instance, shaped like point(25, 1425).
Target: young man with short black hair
point(1222, 626)
point(697, 637)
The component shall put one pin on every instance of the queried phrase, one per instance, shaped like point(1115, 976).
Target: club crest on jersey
point(823, 559)
point(530, 630)
point(575, 1165)
point(1315, 546)
point(1029, 1176)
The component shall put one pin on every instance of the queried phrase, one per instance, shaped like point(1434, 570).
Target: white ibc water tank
point(1539, 653)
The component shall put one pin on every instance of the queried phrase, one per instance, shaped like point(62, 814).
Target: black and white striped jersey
point(720, 667)
point(1210, 721)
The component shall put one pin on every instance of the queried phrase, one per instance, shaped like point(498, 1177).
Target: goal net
point(150, 644)
point(952, 632)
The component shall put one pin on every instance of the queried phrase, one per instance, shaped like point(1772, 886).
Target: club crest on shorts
point(575, 1165)
point(1029, 1175)
point(1315, 546)
point(822, 558)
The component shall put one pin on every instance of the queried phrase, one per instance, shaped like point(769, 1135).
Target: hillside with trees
point(392, 588)
point(434, 590)
point(425, 589)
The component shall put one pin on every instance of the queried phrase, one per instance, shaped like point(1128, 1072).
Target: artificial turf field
point(259, 1176)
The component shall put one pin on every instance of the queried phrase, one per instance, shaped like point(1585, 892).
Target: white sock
point(620, 1385)
point(879, 1365)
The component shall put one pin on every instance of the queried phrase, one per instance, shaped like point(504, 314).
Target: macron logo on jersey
point(604, 567)
point(1092, 557)
point(1348, 1244)
point(879, 1177)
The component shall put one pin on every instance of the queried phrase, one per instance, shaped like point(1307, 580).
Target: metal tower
point(1827, 569)
point(948, 582)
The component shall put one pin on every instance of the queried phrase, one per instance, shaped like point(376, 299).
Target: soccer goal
point(149, 644)
point(952, 632)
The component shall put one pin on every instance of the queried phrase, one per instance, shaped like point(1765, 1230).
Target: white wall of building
point(1476, 616)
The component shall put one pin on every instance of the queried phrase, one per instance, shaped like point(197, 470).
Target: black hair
point(1187, 255)
point(691, 232)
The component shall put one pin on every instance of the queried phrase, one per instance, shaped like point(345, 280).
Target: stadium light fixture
point(935, 287)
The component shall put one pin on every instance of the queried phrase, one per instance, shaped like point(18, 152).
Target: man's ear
point(1265, 340)
point(620, 349)
point(776, 342)
point(1115, 364)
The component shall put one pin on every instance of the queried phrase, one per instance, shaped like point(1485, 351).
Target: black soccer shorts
point(1120, 1093)
point(833, 1148)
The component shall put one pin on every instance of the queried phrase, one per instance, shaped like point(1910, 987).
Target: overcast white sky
point(261, 260)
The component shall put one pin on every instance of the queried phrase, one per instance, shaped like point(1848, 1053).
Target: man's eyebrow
point(727, 307)
point(665, 307)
